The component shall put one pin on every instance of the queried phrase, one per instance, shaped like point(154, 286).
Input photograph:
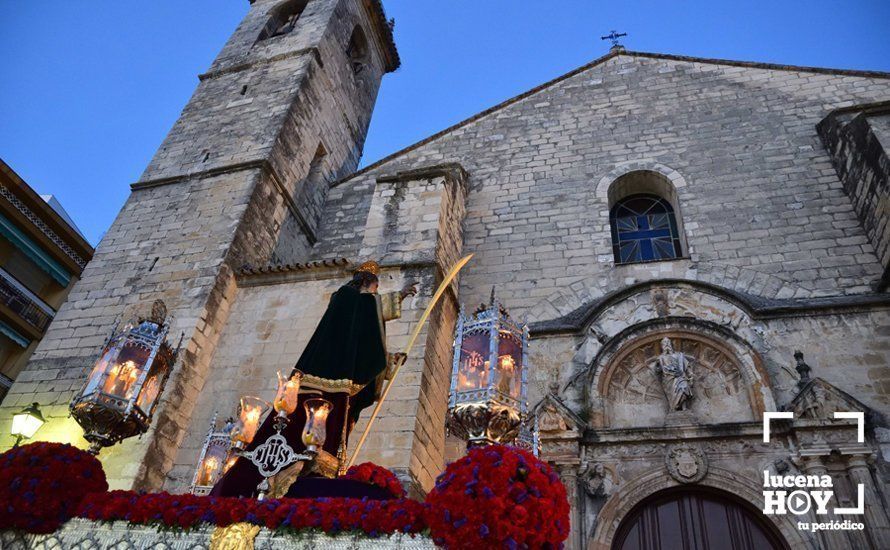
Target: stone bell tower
point(240, 179)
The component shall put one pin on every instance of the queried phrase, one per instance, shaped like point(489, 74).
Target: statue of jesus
point(346, 362)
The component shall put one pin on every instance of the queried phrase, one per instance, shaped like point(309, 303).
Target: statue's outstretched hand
point(410, 289)
point(396, 360)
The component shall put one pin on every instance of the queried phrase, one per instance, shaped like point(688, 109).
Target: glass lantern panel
point(315, 430)
point(101, 366)
point(124, 373)
point(211, 467)
point(473, 368)
point(509, 372)
point(252, 410)
point(152, 386)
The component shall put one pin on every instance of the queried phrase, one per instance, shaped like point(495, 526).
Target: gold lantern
point(487, 403)
point(121, 393)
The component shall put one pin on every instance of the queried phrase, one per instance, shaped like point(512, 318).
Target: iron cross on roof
point(613, 36)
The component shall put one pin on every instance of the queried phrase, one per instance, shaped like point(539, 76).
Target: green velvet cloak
point(348, 344)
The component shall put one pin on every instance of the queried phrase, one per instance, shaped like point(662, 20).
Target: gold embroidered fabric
point(342, 385)
point(390, 306)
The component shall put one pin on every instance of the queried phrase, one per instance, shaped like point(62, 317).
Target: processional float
point(275, 456)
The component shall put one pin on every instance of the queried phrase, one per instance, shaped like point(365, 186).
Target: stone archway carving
point(729, 383)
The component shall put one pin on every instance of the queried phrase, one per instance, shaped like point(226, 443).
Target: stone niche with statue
point(657, 397)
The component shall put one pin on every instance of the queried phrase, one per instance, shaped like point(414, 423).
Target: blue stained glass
point(644, 229)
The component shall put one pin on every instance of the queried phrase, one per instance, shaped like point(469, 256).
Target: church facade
point(694, 243)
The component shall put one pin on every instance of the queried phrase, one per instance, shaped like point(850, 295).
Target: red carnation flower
point(498, 496)
point(42, 483)
point(368, 472)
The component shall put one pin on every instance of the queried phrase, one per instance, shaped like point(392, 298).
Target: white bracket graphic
point(860, 424)
point(860, 500)
point(769, 416)
point(860, 438)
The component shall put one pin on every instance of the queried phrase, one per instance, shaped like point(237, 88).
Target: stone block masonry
point(218, 194)
point(857, 138)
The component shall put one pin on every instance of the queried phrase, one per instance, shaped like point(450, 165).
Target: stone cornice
point(263, 165)
point(255, 63)
point(670, 434)
point(383, 31)
point(214, 171)
point(756, 306)
point(312, 271)
point(451, 171)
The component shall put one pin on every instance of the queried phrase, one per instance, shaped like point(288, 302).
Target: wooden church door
point(695, 519)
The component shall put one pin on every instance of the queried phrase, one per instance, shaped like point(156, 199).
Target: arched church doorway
point(696, 518)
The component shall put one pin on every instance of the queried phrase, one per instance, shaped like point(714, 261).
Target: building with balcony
point(42, 254)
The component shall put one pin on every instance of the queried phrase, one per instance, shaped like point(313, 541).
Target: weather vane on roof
point(614, 36)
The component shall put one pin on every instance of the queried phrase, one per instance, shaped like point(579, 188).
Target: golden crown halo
point(370, 266)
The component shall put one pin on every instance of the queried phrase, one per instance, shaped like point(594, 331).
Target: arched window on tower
point(644, 219)
point(283, 19)
point(357, 51)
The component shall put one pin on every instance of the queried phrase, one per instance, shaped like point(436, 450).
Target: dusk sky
point(90, 88)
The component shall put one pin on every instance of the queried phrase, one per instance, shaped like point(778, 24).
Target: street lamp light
point(26, 423)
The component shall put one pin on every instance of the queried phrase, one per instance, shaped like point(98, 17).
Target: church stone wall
point(858, 139)
point(611, 458)
point(215, 196)
point(275, 312)
point(189, 236)
point(777, 261)
point(763, 208)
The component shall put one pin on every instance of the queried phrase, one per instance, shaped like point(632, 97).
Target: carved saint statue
point(675, 372)
point(345, 362)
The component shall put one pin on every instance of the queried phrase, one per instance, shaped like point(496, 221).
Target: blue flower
point(483, 530)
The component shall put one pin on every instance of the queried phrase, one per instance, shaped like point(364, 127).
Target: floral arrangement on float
point(496, 496)
point(42, 483)
point(369, 472)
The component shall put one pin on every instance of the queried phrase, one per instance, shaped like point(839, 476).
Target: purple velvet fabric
point(316, 487)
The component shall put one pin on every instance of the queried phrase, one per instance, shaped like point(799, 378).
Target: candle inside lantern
point(473, 372)
point(209, 469)
point(315, 432)
point(121, 378)
point(506, 372)
point(252, 409)
point(288, 393)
